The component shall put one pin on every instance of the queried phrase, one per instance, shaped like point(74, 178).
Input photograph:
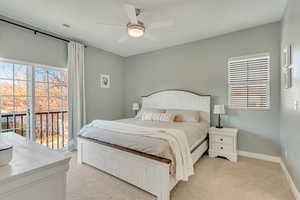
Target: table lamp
point(219, 110)
point(135, 107)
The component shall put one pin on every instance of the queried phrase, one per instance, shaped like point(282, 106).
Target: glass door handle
point(28, 135)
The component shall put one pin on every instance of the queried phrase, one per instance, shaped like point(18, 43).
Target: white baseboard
point(290, 180)
point(265, 157)
point(275, 159)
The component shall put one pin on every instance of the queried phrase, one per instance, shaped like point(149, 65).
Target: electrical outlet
point(296, 105)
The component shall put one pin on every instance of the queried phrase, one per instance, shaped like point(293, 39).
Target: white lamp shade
point(135, 106)
point(219, 109)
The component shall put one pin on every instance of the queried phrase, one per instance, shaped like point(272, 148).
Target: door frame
point(31, 108)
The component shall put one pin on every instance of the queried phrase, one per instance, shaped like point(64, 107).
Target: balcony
point(51, 127)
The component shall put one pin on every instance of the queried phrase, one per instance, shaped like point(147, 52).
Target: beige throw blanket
point(176, 139)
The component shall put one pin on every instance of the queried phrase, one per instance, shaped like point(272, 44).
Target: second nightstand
point(223, 142)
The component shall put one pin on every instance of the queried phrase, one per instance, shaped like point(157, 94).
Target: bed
point(145, 166)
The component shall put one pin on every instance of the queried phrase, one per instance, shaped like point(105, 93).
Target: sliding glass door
point(51, 107)
point(15, 98)
point(34, 103)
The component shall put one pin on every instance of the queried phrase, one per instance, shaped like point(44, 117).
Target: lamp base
point(219, 122)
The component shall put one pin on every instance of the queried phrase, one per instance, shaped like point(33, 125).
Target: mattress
point(195, 133)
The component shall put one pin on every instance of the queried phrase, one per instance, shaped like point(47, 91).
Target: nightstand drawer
point(222, 139)
point(223, 142)
point(223, 148)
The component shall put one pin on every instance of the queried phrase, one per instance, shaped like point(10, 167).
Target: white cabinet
point(34, 173)
point(223, 142)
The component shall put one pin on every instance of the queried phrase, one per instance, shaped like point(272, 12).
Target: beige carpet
point(214, 179)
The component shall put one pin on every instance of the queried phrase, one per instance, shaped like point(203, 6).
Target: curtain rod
point(36, 31)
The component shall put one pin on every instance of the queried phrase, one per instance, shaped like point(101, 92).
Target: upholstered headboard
point(179, 99)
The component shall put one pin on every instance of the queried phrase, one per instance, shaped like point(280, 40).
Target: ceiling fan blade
point(161, 24)
point(131, 12)
point(123, 39)
point(110, 25)
point(149, 37)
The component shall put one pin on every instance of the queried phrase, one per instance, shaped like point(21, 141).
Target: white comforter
point(176, 139)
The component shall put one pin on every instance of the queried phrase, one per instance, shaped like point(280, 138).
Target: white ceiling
point(192, 19)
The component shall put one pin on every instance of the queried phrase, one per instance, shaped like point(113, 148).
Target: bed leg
point(79, 152)
point(164, 182)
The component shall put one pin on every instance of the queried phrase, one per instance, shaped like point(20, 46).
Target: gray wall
point(202, 67)
point(104, 103)
point(20, 44)
point(290, 118)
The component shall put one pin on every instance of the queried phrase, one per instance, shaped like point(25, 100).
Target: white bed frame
point(151, 175)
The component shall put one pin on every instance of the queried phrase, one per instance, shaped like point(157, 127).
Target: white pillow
point(185, 115)
point(148, 110)
point(166, 117)
point(163, 117)
point(146, 116)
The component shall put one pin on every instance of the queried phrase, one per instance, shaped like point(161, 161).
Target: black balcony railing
point(51, 127)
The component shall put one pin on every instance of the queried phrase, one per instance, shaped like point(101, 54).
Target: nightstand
point(223, 142)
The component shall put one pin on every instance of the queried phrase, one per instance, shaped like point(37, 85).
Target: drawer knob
point(221, 139)
point(221, 147)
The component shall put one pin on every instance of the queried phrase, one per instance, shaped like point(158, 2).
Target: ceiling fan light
point(135, 30)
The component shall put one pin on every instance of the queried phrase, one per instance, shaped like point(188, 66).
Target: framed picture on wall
point(288, 77)
point(287, 56)
point(104, 81)
point(287, 67)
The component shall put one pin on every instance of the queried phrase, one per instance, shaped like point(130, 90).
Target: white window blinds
point(249, 82)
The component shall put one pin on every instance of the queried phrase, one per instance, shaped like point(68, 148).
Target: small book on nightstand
point(223, 142)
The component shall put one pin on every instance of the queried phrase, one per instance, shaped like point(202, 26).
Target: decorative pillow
point(166, 117)
point(163, 117)
point(148, 110)
point(185, 115)
point(147, 116)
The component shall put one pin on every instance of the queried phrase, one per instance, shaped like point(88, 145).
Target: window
point(249, 82)
point(51, 107)
point(15, 81)
point(34, 102)
point(51, 90)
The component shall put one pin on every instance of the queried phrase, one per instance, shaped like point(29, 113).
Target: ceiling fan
point(136, 28)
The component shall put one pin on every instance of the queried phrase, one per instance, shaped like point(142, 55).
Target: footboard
point(148, 174)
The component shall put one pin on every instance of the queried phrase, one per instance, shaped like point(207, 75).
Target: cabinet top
point(28, 157)
point(224, 131)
